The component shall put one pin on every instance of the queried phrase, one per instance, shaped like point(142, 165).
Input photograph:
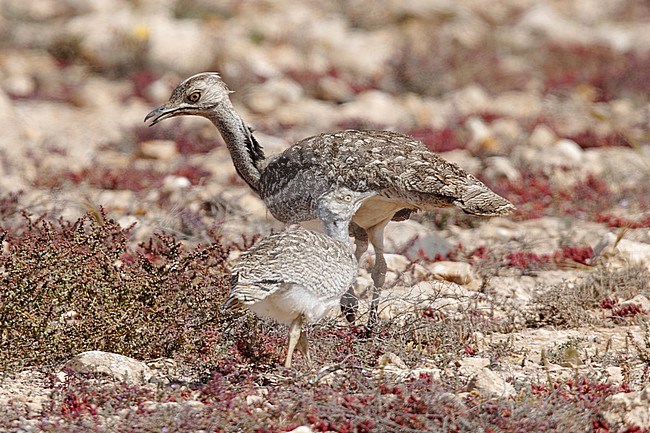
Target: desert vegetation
point(118, 238)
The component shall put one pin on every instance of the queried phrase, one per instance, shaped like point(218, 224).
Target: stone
point(113, 365)
point(439, 295)
point(376, 108)
point(412, 239)
point(480, 133)
point(622, 253)
point(173, 183)
point(334, 89)
point(319, 115)
point(108, 39)
point(389, 358)
point(301, 429)
point(12, 135)
point(614, 374)
point(158, 149)
point(464, 159)
point(254, 400)
point(568, 152)
point(546, 20)
point(542, 137)
point(397, 262)
point(267, 97)
point(641, 300)
point(472, 365)
point(630, 408)
point(391, 364)
point(519, 105)
point(499, 167)
point(470, 99)
point(456, 272)
point(489, 384)
point(606, 163)
point(184, 46)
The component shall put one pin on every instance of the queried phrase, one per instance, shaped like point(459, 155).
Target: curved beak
point(161, 113)
point(366, 195)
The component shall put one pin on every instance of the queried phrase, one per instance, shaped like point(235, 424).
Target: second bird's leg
point(303, 347)
point(295, 332)
point(376, 234)
point(349, 302)
point(360, 240)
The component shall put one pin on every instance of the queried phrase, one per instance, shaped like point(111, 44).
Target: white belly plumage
point(291, 301)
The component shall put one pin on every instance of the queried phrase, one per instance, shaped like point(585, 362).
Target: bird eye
point(194, 97)
point(347, 198)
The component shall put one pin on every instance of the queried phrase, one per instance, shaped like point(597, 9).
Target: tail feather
point(478, 199)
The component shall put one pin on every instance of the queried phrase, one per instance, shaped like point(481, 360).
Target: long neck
point(245, 151)
point(337, 230)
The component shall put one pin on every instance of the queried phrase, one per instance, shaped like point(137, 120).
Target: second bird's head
point(339, 205)
point(196, 95)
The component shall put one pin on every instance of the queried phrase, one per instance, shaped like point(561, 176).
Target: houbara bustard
point(300, 275)
point(406, 175)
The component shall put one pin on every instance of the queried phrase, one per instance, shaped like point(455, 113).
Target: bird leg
point(295, 332)
point(360, 240)
point(349, 302)
point(349, 305)
point(303, 347)
point(376, 234)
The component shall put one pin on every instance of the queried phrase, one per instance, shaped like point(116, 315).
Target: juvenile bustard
point(300, 275)
point(406, 175)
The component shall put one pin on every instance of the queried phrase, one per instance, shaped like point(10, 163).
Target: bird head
point(336, 208)
point(196, 95)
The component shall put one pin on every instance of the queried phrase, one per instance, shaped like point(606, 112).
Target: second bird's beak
point(366, 195)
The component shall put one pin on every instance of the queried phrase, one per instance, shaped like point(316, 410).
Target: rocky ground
point(117, 237)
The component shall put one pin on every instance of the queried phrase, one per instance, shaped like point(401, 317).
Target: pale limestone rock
point(489, 384)
point(118, 367)
point(173, 183)
point(301, 429)
point(267, 97)
point(391, 364)
point(456, 272)
point(397, 262)
point(158, 149)
point(518, 105)
point(614, 374)
point(470, 99)
point(641, 300)
point(377, 108)
point(545, 19)
point(316, 114)
point(501, 167)
point(472, 365)
point(37, 10)
point(254, 400)
point(439, 295)
point(480, 132)
point(184, 46)
point(607, 162)
point(464, 159)
point(507, 131)
point(410, 238)
point(334, 89)
point(542, 137)
point(568, 152)
point(630, 408)
point(389, 358)
point(109, 39)
point(623, 252)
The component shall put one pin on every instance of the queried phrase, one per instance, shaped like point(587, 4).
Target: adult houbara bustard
point(406, 175)
point(294, 276)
